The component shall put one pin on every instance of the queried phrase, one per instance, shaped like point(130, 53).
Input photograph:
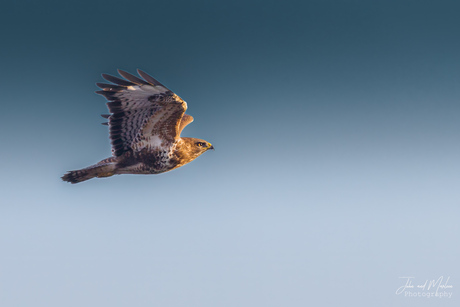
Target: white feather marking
point(157, 89)
point(155, 141)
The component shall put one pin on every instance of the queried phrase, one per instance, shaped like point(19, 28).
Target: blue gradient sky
point(336, 167)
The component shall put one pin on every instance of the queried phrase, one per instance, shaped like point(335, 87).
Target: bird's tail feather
point(101, 169)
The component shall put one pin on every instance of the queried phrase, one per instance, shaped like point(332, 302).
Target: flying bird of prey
point(145, 124)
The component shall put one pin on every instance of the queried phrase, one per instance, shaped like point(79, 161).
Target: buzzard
point(145, 124)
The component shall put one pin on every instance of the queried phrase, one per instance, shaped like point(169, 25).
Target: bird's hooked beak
point(211, 147)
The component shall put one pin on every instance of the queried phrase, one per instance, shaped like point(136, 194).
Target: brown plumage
point(145, 124)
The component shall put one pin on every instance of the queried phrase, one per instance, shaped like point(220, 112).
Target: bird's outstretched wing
point(144, 113)
point(186, 119)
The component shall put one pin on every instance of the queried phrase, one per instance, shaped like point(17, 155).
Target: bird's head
point(201, 146)
point(194, 147)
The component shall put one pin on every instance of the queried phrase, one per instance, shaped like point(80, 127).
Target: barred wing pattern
point(145, 114)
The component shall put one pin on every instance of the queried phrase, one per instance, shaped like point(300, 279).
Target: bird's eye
point(201, 144)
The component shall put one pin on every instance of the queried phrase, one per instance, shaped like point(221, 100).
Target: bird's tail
point(102, 169)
